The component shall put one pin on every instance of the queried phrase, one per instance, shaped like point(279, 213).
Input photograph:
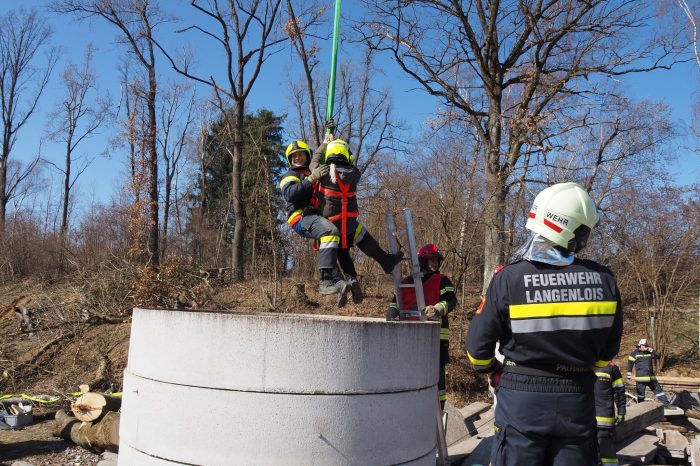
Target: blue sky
point(101, 181)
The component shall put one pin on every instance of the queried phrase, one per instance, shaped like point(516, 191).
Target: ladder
point(415, 313)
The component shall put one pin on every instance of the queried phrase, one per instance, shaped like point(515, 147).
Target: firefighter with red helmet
point(337, 201)
point(440, 300)
point(556, 318)
point(299, 185)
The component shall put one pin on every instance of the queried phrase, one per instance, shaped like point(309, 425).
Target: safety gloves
point(629, 376)
point(318, 173)
point(434, 312)
point(619, 419)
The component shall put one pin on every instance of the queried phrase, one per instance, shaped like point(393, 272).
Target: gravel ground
point(35, 445)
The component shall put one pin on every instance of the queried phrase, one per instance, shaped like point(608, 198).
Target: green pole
point(334, 62)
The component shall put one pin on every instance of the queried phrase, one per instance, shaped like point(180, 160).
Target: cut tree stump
point(91, 406)
point(96, 437)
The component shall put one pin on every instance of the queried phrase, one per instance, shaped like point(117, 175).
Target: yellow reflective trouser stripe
point(601, 363)
point(644, 378)
point(444, 333)
point(566, 309)
point(604, 419)
point(603, 374)
point(609, 461)
point(443, 396)
point(289, 179)
point(330, 241)
point(294, 215)
point(480, 362)
point(359, 232)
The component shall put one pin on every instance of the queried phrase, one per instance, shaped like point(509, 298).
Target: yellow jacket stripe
point(604, 375)
point(480, 362)
point(618, 383)
point(289, 179)
point(601, 363)
point(294, 215)
point(566, 309)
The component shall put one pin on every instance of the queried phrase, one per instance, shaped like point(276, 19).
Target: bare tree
point(23, 34)
point(76, 119)
point(176, 116)
point(135, 20)
point(506, 67)
point(298, 28)
point(245, 32)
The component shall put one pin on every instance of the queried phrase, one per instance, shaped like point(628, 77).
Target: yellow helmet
point(297, 146)
point(339, 149)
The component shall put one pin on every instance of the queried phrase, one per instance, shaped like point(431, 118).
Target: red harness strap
point(344, 194)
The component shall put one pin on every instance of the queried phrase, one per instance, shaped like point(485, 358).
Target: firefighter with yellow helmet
point(337, 201)
point(557, 318)
point(299, 187)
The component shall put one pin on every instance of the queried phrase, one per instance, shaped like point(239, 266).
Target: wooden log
point(91, 406)
point(638, 417)
point(96, 437)
point(695, 451)
point(637, 449)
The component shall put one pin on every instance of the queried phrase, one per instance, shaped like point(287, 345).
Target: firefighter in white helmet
point(643, 358)
point(557, 318)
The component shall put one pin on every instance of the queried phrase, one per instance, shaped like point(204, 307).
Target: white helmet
point(564, 213)
point(644, 342)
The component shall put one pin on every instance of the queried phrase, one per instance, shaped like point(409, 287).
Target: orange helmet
point(428, 251)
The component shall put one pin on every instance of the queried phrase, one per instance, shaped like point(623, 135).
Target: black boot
point(355, 290)
point(387, 261)
point(332, 282)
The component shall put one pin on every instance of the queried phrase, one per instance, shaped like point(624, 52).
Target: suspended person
point(643, 357)
point(556, 317)
point(440, 300)
point(337, 201)
point(609, 394)
point(299, 186)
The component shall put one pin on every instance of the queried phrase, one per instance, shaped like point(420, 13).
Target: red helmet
point(428, 251)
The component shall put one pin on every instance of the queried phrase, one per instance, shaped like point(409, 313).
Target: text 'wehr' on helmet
point(429, 251)
point(298, 146)
point(339, 151)
point(565, 214)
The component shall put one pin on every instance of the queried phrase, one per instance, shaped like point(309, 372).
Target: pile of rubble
point(650, 434)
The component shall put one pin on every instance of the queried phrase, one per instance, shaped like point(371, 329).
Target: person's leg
point(641, 387)
point(522, 423)
point(606, 446)
point(573, 440)
point(368, 245)
point(348, 268)
point(659, 392)
point(442, 391)
point(319, 228)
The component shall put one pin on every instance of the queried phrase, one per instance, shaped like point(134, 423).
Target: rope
point(334, 62)
point(48, 399)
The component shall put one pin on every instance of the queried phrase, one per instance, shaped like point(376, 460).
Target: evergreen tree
point(211, 216)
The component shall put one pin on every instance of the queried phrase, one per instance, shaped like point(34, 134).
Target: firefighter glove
point(629, 376)
point(392, 313)
point(619, 419)
point(318, 173)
